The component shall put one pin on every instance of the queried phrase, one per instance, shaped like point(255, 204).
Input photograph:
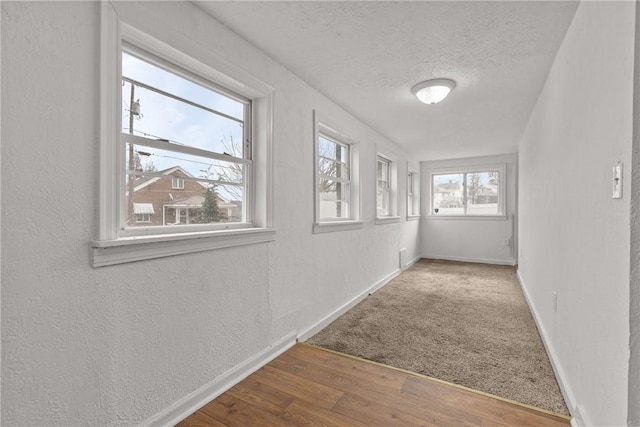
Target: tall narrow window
point(413, 198)
point(474, 192)
point(181, 132)
point(334, 179)
point(383, 187)
point(337, 181)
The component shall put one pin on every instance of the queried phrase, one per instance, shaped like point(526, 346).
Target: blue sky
point(181, 123)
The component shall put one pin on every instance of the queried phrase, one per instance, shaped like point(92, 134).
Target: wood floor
point(308, 386)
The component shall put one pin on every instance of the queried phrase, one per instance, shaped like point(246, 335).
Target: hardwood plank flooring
point(309, 386)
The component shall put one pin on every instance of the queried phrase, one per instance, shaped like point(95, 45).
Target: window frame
point(113, 246)
point(327, 129)
point(502, 186)
point(413, 194)
point(392, 188)
point(177, 183)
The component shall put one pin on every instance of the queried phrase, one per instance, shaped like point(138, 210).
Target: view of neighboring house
point(448, 195)
point(481, 199)
point(175, 200)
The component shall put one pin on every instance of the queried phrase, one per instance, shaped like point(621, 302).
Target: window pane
point(156, 203)
point(167, 179)
point(482, 193)
point(142, 71)
point(332, 168)
point(332, 150)
point(162, 117)
point(448, 195)
point(333, 199)
point(383, 171)
point(383, 202)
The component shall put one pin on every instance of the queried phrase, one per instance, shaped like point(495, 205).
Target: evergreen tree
point(210, 211)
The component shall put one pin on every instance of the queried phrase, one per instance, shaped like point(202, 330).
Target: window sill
point(387, 220)
point(413, 217)
point(131, 249)
point(468, 217)
point(329, 227)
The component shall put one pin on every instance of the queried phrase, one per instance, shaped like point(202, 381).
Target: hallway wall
point(574, 237)
point(116, 345)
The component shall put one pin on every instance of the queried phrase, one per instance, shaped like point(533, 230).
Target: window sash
point(128, 139)
point(383, 172)
point(343, 197)
point(411, 207)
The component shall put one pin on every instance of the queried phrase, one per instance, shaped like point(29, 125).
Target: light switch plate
point(617, 181)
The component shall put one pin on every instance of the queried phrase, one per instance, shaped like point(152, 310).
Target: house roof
point(144, 182)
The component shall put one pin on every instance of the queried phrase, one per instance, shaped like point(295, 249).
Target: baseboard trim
point(410, 263)
point(194, 401)
point(317, 327)
point(577, 419)
point(511, 262)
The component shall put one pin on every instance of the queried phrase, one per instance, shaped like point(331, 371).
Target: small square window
point(177, 184)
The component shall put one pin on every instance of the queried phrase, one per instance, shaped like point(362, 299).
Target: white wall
point(574, 236)
point(471, 239)
point(634, 306)
point(116, 345)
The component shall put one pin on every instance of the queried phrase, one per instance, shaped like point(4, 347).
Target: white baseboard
point(314, 329)
point(194, 401)
point(578, 419)
point(511, 261)
point(410, 263)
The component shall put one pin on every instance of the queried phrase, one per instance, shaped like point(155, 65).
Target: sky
point(163, 117)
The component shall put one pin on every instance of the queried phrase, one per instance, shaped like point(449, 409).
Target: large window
point(473, 192)
point(182, 133)
point(337, 183)
point(179, 144)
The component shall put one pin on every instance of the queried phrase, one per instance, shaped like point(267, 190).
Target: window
point(413, 197)
point(143, 218)
point(384, 188)
point(336, 180)
point(179, 146)
point(175, 123)
point(472, 192)
point(177, 183)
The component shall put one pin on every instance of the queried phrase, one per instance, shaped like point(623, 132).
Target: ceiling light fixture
point(433, 91)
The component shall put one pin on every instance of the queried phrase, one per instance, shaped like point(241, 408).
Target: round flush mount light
point(433, 91)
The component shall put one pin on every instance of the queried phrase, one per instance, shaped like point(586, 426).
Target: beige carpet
point(460, 322)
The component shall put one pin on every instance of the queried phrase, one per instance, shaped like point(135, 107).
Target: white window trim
point(393, 189)
point(326, 127)
point(502, 199)
point(111, 247)
point(415, 177)
point(177, 183)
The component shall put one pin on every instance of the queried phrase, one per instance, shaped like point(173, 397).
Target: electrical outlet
point(555, 302)
point(506, 242)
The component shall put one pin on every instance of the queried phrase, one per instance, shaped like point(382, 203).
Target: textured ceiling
point(366, 56)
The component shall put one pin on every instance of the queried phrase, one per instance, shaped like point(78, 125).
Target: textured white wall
point(574, 236)
point(634, 306)
point(116, 345)
point(475, 240)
